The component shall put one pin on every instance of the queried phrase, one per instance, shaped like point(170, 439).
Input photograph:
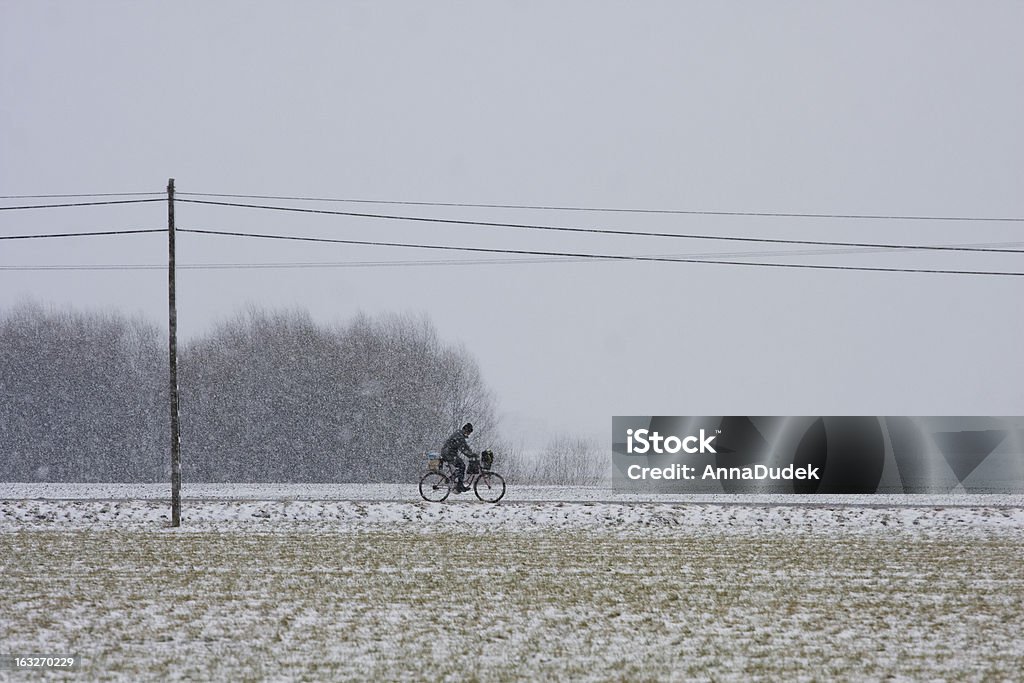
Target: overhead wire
point(606, 257)
point(535, 256)
point(677, 212)
point(86, 194)
point(61, 206)
point(459, 262)
point(411, 263)
point(284, 265)
point(93, 233)
point(538, 256)
point(606, 231)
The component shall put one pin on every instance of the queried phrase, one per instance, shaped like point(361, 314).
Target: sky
point(883, 108)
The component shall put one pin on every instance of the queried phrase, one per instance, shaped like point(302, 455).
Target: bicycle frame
point(494, 482)
point(468, 480)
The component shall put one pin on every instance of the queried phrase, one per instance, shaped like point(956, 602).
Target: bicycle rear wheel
point(489, 487)
point(435, 487)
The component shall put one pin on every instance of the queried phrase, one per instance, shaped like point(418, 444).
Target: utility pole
point(173, 346)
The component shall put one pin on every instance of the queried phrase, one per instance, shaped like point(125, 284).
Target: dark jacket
point(455, 444)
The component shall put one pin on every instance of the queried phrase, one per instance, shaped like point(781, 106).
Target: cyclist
point(453, 446)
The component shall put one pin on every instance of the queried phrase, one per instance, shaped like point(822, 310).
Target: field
point(397, 590)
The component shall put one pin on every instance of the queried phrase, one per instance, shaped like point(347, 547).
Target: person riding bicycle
point(453, 446)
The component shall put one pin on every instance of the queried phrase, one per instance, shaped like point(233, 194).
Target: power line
point(288, 265)
point(537, 255)
point(607, 257)
point(676, 212)
point(356, 264)
point(81, 234)
point(88, 194)
point(604, 231)
point(393, 263)
point(108, 266)
point(421, 263)
point(58, 206)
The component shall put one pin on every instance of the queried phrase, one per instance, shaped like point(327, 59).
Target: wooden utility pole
point(173, 345)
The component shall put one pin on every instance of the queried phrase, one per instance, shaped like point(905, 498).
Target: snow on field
point(265, 507)
point(345, 582)
point(516, 493)
point(335, 602)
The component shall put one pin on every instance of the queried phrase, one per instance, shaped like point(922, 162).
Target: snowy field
point(409, 493)
point(340, 582)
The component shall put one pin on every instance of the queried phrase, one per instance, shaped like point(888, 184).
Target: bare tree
point(565, 461)
point(265, 396)
point(81, 397)
point(272, 396)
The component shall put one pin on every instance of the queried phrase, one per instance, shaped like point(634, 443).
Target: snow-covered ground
point(409, 492)
point(369, 583)
point(262, 507)
point(690, 519)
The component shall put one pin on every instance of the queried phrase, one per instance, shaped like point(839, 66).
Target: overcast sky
point(893, 108)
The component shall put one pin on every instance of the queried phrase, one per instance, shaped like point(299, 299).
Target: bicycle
point(439, 481)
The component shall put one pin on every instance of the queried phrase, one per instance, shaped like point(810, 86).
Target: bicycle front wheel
point(489, 487)
point(435, 487)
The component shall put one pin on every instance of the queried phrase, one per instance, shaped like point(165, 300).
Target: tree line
point(264, 396)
